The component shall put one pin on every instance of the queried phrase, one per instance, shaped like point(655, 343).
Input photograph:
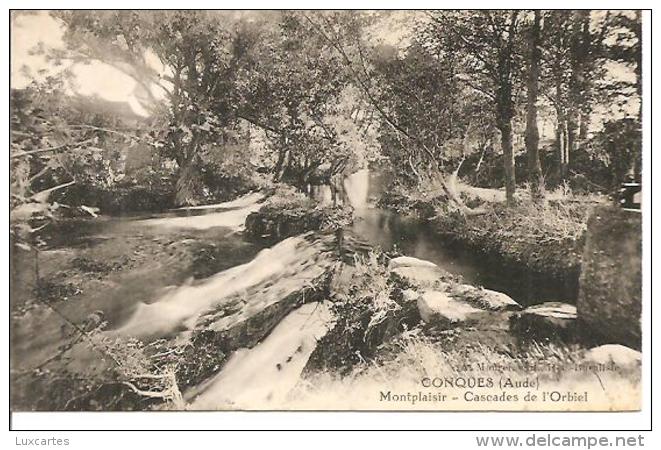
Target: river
point(169, 289)
point(389, 230)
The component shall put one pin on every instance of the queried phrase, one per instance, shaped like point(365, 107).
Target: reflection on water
point(410, 236)
point(390, 231)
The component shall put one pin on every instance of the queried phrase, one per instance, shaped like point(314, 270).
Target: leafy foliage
point(56, 144)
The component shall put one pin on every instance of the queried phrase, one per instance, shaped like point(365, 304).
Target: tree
point(295, 92)
point(624, 46)
point(488, 44)
point(344, 34)
point(573, 73)
point(555, 77)
point(55, 144)
point(198, 52)
point(532, 131)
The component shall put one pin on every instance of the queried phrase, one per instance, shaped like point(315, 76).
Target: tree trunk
point(532, 131)
point(584, 78)
point(505, 110)
point(583, 128)
point(571, 139)
point(578, 101)
point(564, 168)
point(508, 159)
point(560, 146)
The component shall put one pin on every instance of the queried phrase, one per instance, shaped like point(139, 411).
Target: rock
point(419, 275)
point(483, 298)
point(610, 294)
point(408, 261)
point(436, 306)
point(409, 295)
point(416, 271)
point(545, 321)
point(614, 353)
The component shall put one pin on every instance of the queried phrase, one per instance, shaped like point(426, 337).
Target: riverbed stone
point(439, 307)
point(409, 261)
point(547, 321)
point(620, 355)
point(479, 297)
point(419, 275)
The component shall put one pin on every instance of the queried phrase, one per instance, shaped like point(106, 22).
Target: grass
point(369, 308)
point(545, 238)
point(395, 382)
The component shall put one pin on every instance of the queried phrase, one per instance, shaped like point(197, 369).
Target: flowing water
point(167, 298)
point(413, 237)
point(279, 359)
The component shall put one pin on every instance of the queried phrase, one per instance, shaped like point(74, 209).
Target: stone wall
point(609, 303)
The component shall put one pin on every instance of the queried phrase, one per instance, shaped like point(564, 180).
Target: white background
point(330, 421)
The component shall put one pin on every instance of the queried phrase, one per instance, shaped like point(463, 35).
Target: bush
point(120, 199)
point(127, 375)
point(370, 309)
point(288, 212)
point(545, 238)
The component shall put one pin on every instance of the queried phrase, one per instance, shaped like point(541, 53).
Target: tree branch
point(49, 149)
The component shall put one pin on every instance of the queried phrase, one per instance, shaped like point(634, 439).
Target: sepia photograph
point(326, 210)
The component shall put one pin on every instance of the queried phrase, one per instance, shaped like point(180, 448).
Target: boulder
point(610, 294)
point(439, 307)
point(408, 261)
point(621, 356)
point(551, 320)
point(483, 298)
point(419, 275)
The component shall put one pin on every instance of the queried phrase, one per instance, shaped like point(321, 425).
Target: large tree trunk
point(532, 132)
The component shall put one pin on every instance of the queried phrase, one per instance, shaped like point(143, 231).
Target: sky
point(94, 79)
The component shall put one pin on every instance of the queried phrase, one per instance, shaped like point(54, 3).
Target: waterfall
point(356, 187)
point(261, 377)
point(246, 289)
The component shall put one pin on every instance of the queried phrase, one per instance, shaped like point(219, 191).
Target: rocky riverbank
point(258, 334)
point(543, 239)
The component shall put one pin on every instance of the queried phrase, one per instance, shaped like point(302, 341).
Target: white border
point(316, 420)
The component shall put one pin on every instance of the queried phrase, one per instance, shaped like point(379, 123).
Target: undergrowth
point(395, 382)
